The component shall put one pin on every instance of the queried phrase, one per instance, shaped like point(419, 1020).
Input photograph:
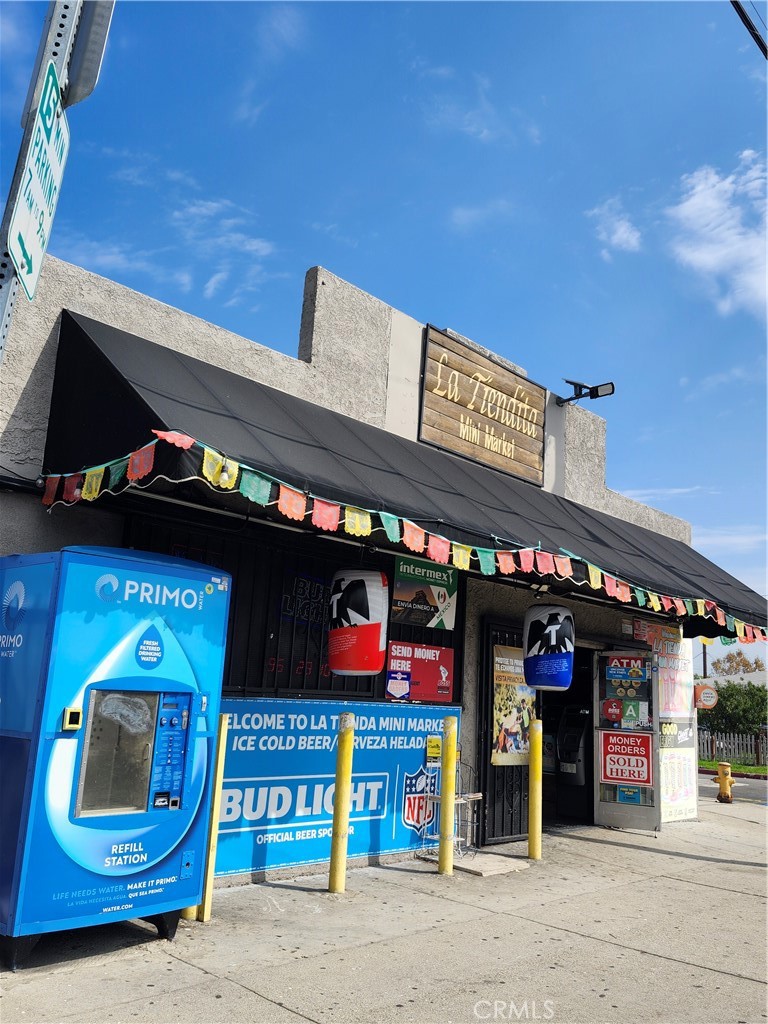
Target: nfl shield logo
point(418, 812)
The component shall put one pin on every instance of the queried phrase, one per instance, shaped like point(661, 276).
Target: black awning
point(112, 389)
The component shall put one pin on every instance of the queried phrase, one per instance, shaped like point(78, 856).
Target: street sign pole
point(61, 47)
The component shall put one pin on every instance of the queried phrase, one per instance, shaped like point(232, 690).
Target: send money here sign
point(279, 781)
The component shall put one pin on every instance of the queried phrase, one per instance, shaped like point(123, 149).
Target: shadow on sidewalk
point(728, 861)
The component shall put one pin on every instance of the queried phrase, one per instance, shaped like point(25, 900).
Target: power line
point(757, 13)
point(750, 26)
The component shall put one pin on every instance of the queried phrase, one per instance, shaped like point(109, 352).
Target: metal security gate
point(504, 787)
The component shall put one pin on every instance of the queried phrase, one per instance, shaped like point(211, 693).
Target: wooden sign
point(474, 407)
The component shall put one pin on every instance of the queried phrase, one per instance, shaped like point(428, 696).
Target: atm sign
point(627, 669)
point(626, 757)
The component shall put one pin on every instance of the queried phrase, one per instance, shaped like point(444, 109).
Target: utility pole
point(73, 40)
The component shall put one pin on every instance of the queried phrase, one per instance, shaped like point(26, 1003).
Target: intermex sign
point(474, 407)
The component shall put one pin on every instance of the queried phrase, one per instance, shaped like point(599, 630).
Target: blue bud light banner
point(279, 781)
point(548, 642)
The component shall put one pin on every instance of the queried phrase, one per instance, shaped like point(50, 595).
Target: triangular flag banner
point(526, 559)
point(326, 515)
point(700, 609)
point(292, 503)
point(623, 591)
point(640, 597)
point(739, 628)
point(391, 526)
point(679, 606)
point(116, 472)
point(413, 536)
point(438, 549)
point(545, 563)
point(667, 603)
point(461, 556)
point(140, 463)
point(689, 606)
point(563, 566)
point(92, 484)
point(730, 623)
point(654, 600)
point(51, 486)
point(487, 561)
point(176, 438)
point(357, 521)
point(720, 616)
point(255, 487)
point(212, 463)
point(506, 560)
point(610, 585)
point(750, 636)
point(595, 577)
point(72, 487)
point(707, 641)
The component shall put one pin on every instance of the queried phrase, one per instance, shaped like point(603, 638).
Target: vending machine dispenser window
point(117, 753)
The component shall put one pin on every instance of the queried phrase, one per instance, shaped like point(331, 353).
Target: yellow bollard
point(447, 796)
point(203, 911)
point(536, 741)
point(337, 876)
point(724, 780)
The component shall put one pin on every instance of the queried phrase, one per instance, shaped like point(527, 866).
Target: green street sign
point(32, 217)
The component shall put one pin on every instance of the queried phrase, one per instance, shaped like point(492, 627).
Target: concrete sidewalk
point(610, 927)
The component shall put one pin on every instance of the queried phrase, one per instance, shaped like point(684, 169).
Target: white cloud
point(17, 48)
point(477, 118)
point(107, 257)
point(467, 217)
point(15, 31)
point(717, 381)
point(200, 209)
point(423, 69)
point(282, 30)
point(734, 539)
point(720, 227)
point(213, 284)
point(183, 279)
point(651, 494)
point(182, 178)
point(247, 109)
point(334, 232)
point(614, 228)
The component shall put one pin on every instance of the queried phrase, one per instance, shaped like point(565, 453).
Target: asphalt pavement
point(610, 926)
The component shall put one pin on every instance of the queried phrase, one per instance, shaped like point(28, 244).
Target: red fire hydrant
point(724, 780)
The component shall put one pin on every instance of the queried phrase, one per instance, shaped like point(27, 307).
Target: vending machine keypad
point(170, 751)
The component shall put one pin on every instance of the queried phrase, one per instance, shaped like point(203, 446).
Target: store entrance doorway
point(568, 726)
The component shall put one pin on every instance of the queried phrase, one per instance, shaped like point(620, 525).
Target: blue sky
point(578, 186)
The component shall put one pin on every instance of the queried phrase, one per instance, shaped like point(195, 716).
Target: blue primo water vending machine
point(111, 665)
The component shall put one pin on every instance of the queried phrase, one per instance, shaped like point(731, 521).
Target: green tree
point(739, 708)
point(736, 663)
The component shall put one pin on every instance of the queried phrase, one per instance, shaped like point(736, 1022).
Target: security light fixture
point(585, 391)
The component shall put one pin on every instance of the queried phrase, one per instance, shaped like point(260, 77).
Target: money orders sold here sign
point(279, 781)
point(626, 757)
